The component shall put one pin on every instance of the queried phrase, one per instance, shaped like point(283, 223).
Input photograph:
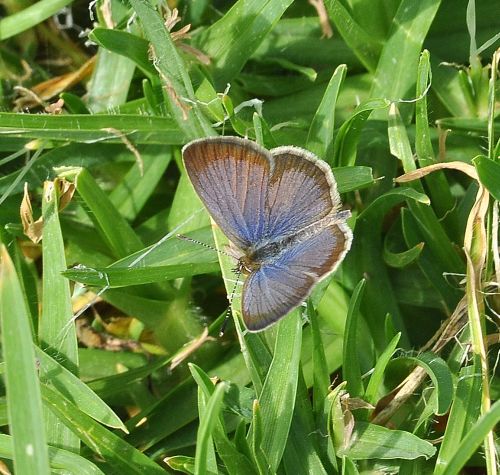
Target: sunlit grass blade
point(395, 80)
point(114, 229)
point(173, 73)
point(234, 38)
point(92, 128)
point(320, 135)
point(57, 332)
point(280, 387)
point(29, 17)
point(26, 420)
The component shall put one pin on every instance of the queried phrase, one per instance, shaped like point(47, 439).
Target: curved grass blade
point(370, 441)
point(320, 135)
point(122, 456)
point(378, 372)
point(53, 373)
point(60, 459)
point(441, 378)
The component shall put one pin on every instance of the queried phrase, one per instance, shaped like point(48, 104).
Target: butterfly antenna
point(231, 297)
point(204, 244)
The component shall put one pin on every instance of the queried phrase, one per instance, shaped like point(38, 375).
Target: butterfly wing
point(282, 284)
point(302, 190)
point(231, 176)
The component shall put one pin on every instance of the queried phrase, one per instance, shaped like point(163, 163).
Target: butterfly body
point(280, 208)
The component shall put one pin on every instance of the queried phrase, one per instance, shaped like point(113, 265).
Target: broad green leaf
point(371, 441)
point(489, 174)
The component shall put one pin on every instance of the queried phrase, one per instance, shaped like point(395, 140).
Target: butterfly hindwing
point(282, 284)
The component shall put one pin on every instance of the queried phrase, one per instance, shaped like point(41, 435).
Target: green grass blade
point(320, 136)
point(173, 73)
point(366, 47)
point(236, 462)
point(115, 278)
point(136, 50)
point(122, 456)
point(466, 403)
point(71, 387)
point(441, 378)
point(137, 186)
point(60, 459)
point(279, 390)
point(29, 17)
point(234, 38)
point(351, 370)
point(370, 441)
point(366, 258)
point(92, 128)
point(473, 439)
point(395, 74)
point(116, 232)
point(26, 420)
point(57, 334)
point(107, 91)
point(347, 138)
point(207, 423)
point(373, 387)
point(489, 174)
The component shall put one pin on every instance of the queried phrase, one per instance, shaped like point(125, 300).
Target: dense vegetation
point(111, 359)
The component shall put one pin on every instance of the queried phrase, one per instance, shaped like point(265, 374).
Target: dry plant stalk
point(475, 245)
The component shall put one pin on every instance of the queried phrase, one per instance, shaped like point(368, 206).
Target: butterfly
point(281, 210)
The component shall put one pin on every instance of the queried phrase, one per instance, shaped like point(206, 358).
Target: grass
point(391, 366)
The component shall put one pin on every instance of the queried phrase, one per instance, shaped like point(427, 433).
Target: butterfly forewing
point(231, 177)
point(301, 192)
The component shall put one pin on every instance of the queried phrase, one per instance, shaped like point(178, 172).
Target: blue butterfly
point(281, 209)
